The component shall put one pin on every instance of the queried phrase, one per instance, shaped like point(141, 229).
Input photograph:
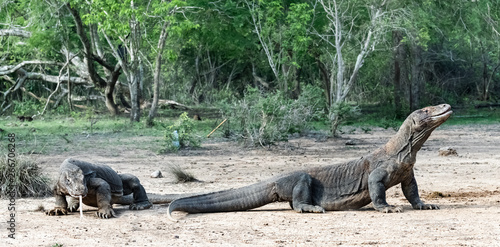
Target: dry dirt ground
point(467, 187)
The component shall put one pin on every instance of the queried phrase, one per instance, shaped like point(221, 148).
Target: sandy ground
point(469, 184)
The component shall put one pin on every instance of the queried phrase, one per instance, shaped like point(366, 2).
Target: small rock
point(350, 142)
point(447, 151)
point(156, 174)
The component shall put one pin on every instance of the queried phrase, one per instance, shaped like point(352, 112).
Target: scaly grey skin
point(350, 185)
point(99, 185)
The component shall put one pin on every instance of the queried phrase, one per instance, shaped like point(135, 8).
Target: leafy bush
point(25, 178)
point(267, 119)
point(27, 108)
point(185, 134)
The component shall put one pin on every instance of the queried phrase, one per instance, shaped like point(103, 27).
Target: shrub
point(27, 108)
point(25, 178)
point(267, 119)
point(185, 134)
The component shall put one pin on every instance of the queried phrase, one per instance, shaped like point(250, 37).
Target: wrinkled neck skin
point(408, 141)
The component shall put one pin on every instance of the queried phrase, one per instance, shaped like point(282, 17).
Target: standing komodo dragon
point(350, 185)
point(101, 187)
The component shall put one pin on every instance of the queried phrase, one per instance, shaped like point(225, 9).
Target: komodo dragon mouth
point(445, 113)
point(83, 196)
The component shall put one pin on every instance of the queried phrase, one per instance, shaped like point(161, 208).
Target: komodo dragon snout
point(431, 116)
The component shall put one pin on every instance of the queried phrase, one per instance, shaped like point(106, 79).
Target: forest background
point(271, 67)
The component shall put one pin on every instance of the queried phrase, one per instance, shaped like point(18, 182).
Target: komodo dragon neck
point(413, 133)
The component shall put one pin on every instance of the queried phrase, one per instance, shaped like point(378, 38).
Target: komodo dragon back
point(344, 186)
point(91, 170)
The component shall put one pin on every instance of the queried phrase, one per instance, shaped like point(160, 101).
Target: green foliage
point(213, 51)
point(185, 137)
point(343, 111)
point(27, 108)
point(21, 177)
point(267, 119)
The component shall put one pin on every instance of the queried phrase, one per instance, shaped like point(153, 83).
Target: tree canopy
point(126, 56)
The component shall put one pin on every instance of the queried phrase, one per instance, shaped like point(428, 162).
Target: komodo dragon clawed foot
point(57, 211)
point(390, 209)
point(105, 212)
point(423, 206)
point(140, 205)
point(306, 208)
point(73, 205)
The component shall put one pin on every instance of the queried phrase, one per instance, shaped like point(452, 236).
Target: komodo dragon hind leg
point(131, 184)
point(302, 196)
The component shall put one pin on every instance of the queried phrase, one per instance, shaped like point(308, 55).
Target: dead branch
point(43, 99)
point(15, 32)
point(9, 69)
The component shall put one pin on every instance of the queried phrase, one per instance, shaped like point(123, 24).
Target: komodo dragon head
point(73, 181)
point(415, 130)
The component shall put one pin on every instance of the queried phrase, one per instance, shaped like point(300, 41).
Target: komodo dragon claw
point(105, 213)
point(140, 205)
point(57, 211)
point(391, 209)
point(423, 206)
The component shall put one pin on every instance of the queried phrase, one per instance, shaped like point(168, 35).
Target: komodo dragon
point(101, 187)
point(350, 185)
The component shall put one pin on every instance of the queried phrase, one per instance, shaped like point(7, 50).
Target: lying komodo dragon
point(101, 187)
point(350, 185)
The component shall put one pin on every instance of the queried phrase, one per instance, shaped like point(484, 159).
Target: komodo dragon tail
point(240, 199)
point(154, 198)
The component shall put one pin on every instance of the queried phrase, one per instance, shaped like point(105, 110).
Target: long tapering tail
point(155, 198)
point(244, 198)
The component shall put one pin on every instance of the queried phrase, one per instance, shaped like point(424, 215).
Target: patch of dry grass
point(22, 177)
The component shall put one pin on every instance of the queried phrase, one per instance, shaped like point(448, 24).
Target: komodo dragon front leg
point(377, 188)
point(61, 207)
point(410, 190)
point(99, 196)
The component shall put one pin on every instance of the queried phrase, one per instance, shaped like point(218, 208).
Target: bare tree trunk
point(90, 70)
point(484, 88)
point(157, 72)
point(341, 83)
point(132, 69)
point(112, 74)
point(108, 91)
point(87, 49)
point(398, 47)
point(326, 80)
point(69, 85)
point(196, 79)
point(135, 75)
point(483, 92)
point(416, 87)
point(135, 113)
